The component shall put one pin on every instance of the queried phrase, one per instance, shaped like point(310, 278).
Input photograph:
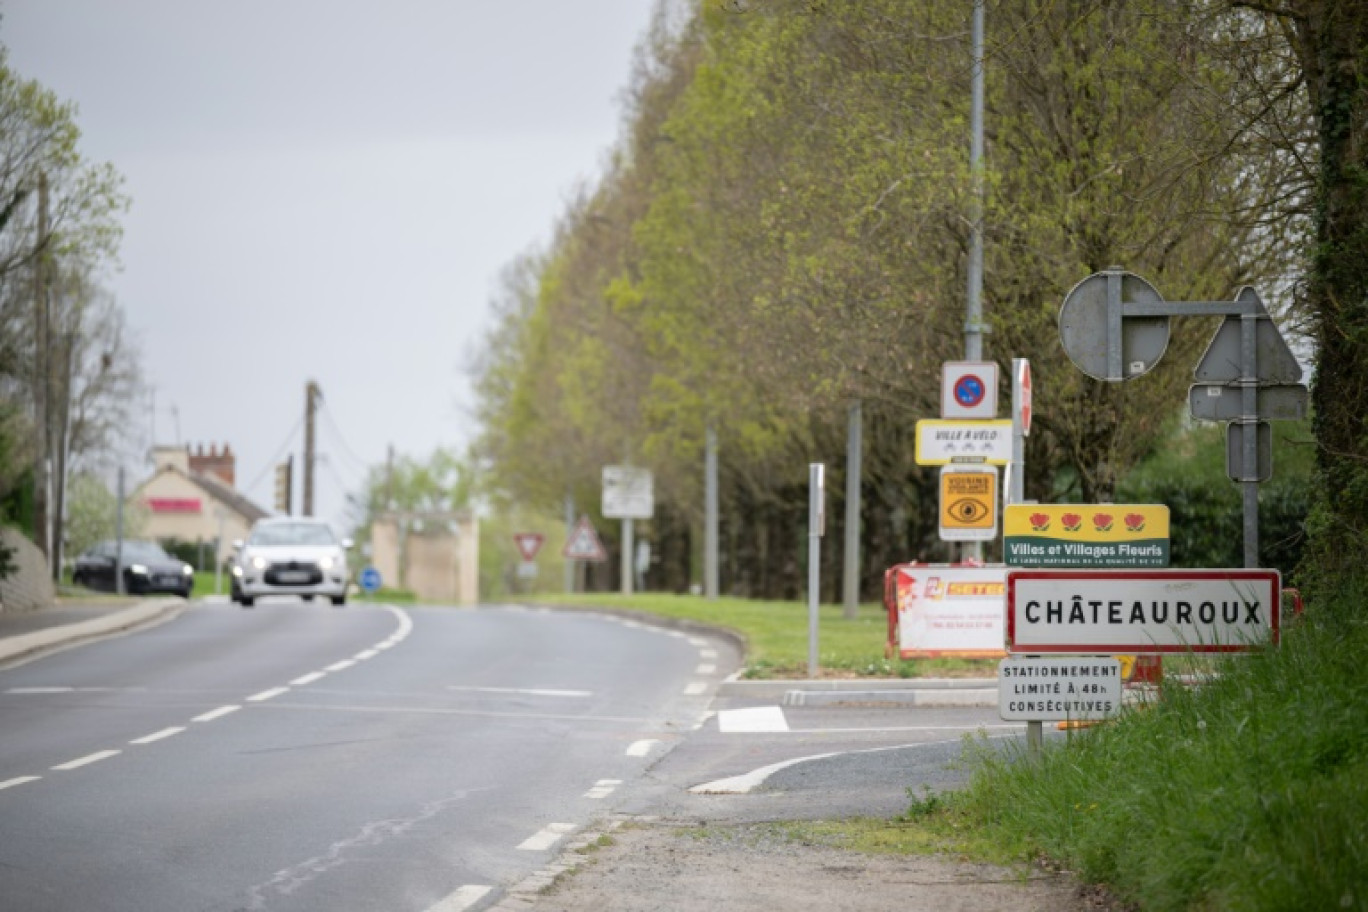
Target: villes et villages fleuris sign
point(1086, 535)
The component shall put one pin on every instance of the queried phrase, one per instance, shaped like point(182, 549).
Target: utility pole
point(710, 515)
point(42, 529)
point(851, 576)
point(311, 396)
point(973, 315)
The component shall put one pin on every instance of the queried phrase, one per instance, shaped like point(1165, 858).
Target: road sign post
point(816, 528)
point(1114, 326)
point(628, 495)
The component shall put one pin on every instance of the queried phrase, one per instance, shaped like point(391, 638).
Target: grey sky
point(327, 190)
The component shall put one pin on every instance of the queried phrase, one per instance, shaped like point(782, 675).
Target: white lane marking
point(89, 758)
point(39, 690)
point(603, 788)
point(267, 694)
point(405, 624)
point(741, 785)
point(702, 720)
point(461, 899)
point(528, 691)
point(385, 644)
point(548, 836)
point(641, 748)
point(752, 719)
point(705, 669)
point(695, 688)
point(18, 780)
point(707, 653)
point(308, 678)
point(697, 641)
point(365, 654)
point(157, 736)
point(213, 714)
point(341, 666)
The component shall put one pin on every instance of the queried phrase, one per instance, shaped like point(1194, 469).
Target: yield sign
point(529, 543)
point(584, 543)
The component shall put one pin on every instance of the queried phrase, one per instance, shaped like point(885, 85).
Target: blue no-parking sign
point(969, 389)
point(369, 579)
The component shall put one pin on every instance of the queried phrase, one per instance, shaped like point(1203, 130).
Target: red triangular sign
point(529, 543)
point(583, 543)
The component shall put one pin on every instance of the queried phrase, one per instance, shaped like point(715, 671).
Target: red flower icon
point(1135, 522)
point(1102, 522)
point(1072, 522)
point(1039, 522)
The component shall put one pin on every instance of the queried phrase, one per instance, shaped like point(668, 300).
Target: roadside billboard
point(942, 610)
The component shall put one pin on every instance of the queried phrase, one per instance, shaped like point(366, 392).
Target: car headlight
point(327, 562)
point(259, 562)
point(138, 569)
point(237, 571)
point(188, 570)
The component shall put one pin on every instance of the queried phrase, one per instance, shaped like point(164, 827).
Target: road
point(301, 757)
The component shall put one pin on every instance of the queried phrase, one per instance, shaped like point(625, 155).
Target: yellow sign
point(1086, 535)
point(968, 503)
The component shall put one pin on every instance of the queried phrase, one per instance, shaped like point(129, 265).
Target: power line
point(274, 460)
point(346, 449)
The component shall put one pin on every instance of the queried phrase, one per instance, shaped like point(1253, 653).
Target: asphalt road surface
point(301, 757)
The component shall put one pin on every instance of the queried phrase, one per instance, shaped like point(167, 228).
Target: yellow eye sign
point(968, 502)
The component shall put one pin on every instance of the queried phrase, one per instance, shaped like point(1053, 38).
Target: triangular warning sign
point(529, 543)
point(584, 543)
point(1222, 362)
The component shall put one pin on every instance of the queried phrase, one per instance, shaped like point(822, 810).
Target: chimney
point(221, 464)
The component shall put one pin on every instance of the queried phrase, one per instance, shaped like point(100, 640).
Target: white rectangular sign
point(969, 389)
point(628, 493)
point(1038, 689)
point(943, 442)
point(1141, 611)
point(948, 611)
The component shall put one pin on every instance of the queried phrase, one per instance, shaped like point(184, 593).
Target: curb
point(27, 644)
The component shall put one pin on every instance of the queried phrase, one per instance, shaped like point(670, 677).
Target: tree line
point(782, 231)
point(70, 372)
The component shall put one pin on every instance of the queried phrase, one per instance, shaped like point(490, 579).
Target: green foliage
point(1188, 474)
point(1248, 792)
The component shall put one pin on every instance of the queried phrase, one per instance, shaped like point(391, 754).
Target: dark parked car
point(146, 568)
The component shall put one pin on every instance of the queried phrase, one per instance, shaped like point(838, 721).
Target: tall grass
point(1248, 792)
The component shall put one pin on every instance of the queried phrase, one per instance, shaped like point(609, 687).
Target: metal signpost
point(1115, 326)
point(816, 528)
point(628, 495)
point(529, 543)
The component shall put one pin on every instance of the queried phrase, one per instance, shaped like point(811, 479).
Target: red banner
point(174, 504)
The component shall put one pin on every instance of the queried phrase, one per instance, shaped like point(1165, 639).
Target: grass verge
point(776, 634)
point(1249, 792)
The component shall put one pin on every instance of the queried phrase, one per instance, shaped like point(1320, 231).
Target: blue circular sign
point(369, 579)
point(969, 391)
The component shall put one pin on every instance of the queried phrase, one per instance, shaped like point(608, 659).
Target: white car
point(290, 556)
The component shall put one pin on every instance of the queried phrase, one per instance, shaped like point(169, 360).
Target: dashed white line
point(18, 780)
point(341, 666)
point(157, 736)
point(545, 838)
point(705, 669)
point(89, 758)
point(603, 788)
point(697, 641)
point(707, 653)
point(39, 690)
point(308, 678)
point(267, 694)
point(463, 898)
point(641, 748)
point(695, 688)
point(213, 714)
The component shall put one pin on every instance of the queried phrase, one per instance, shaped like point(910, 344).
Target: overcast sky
point(327, 190)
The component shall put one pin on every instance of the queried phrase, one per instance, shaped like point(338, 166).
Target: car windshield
point(292, 534)
point(142, 551)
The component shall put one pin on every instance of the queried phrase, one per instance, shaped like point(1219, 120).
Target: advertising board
point(947, 610)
